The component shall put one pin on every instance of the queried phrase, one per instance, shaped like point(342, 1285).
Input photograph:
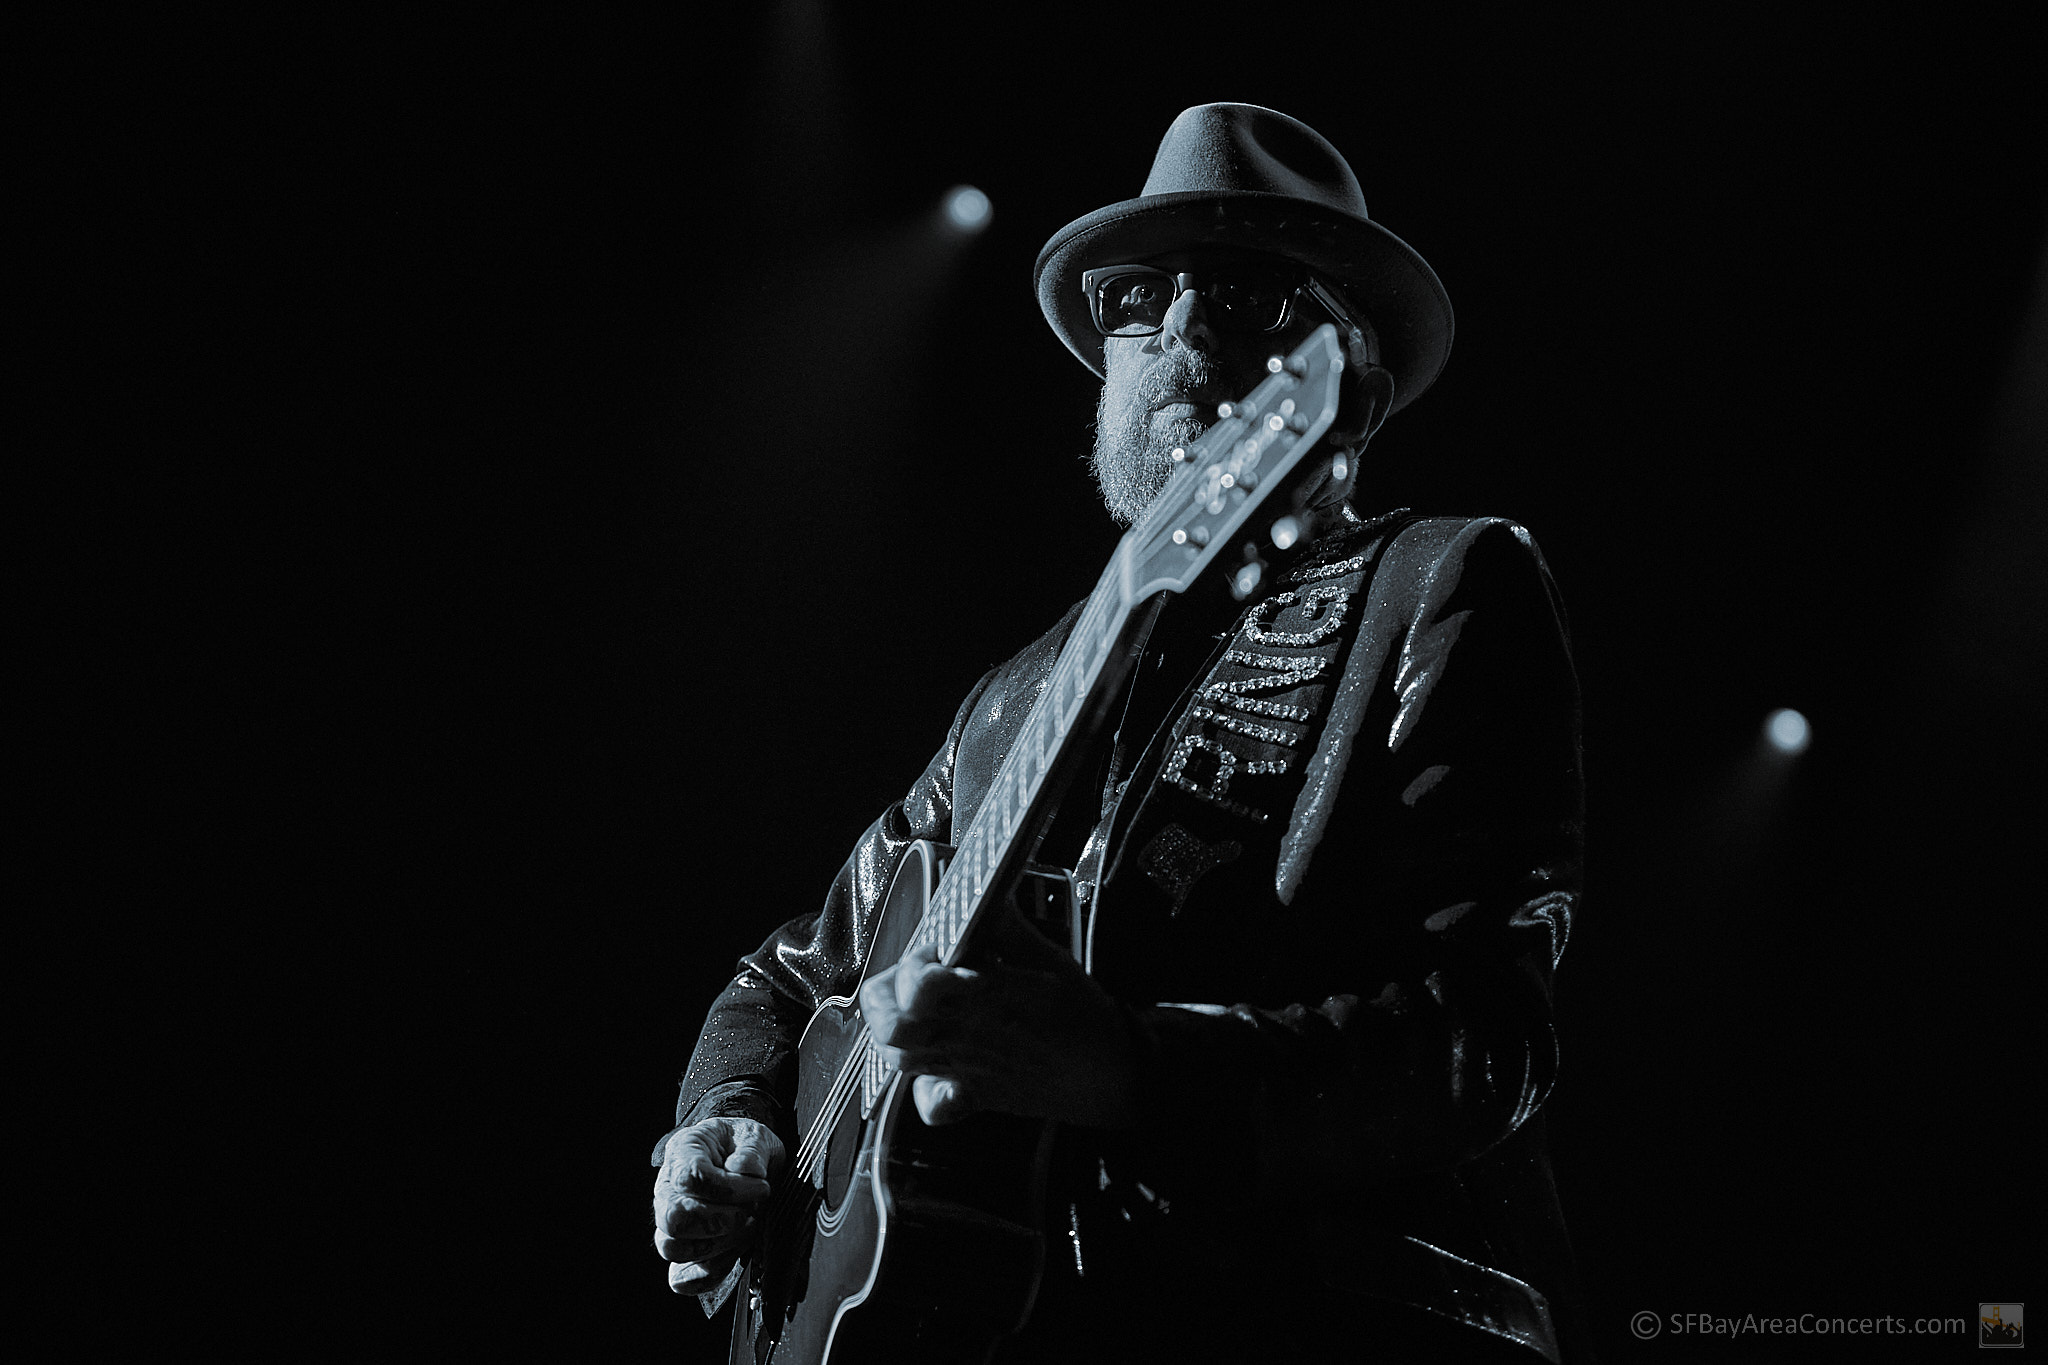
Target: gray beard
point(1133, 455)
point(1133, 459)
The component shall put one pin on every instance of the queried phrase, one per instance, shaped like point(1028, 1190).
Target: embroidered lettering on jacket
point(1254, 715)
point(1329, 601)
point(1203, 760)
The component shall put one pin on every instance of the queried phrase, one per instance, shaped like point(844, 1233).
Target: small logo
point(1645, 1325)
point(2001, 1326)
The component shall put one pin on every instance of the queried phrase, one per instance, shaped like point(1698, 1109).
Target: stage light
point(1788, 731)
point(967, 208)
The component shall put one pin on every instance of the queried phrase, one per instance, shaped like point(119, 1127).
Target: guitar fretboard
point(980, 855)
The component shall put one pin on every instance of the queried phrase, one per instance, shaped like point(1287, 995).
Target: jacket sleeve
point(744, 1062)
point(1419, 963)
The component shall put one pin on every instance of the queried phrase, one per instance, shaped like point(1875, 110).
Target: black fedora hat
point(1242, 176)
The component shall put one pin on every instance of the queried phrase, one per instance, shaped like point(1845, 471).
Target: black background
point(531, 492)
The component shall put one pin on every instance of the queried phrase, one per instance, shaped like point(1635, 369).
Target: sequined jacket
point(1335, 871)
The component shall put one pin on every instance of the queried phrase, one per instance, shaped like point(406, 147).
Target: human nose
point(1187, 323)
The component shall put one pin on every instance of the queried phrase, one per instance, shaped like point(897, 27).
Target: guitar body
point(912, 1243)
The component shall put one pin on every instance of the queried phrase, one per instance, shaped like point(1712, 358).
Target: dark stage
point(474, 606)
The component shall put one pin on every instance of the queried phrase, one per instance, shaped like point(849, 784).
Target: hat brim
point(1378, 271)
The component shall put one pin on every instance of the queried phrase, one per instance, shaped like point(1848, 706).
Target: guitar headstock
point(1225, 495)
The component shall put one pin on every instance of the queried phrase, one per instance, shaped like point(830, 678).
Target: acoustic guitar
point(890, 1241)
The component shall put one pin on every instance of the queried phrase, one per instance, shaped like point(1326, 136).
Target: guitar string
point(810, 1153)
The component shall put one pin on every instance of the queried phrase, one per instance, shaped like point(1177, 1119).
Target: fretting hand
point(1026, 1033)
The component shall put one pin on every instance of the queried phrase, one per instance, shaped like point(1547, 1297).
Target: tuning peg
point(1275, 364)
point(1286, 531)
point(1179, 454)
point(1250, 574)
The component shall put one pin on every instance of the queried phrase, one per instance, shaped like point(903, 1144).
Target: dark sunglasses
point(1132, 300)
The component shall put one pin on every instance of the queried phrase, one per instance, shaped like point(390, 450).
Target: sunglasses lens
point(1134, 303)
point(1251, 301)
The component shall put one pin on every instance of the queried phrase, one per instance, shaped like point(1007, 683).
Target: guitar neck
point(1096, 659)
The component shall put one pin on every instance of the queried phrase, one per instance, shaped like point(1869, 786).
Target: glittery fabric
point(1175, 860)
point(1393, 752)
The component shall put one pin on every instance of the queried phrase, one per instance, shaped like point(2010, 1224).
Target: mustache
point(1184, 376)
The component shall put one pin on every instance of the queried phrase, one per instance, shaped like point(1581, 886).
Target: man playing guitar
point(1325, 833)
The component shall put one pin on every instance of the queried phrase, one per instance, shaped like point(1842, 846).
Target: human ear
point(1366, 396)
